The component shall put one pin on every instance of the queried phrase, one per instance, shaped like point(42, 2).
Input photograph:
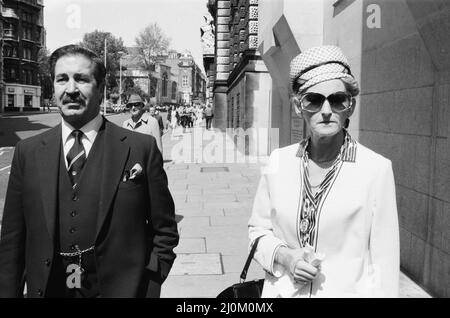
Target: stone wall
point(405, 116)
point(222, 51)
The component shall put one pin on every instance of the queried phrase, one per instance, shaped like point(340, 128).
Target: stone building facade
point(208, 35)
point(176, 78)
point(23, 37)
point(191, 81)
point(241, 81)
point(2, 83)
point(400, 54)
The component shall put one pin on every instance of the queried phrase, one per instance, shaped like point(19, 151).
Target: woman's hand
point(303, 272)
point(294, 261)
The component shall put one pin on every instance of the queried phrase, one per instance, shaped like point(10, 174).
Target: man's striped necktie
point(76, 158)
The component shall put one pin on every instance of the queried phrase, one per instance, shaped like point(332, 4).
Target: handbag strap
point(249, 259)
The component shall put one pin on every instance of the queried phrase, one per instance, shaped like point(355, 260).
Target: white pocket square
point(134, 173)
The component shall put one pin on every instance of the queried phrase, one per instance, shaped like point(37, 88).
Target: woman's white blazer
point(357, 227)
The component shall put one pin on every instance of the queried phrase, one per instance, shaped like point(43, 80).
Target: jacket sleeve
point(260, 223)
point(13, 234)
point(384, 236)
point(161, 216)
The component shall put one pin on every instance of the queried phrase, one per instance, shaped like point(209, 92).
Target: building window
point(8, 31)
point(28, 77)
point(174, 90)
point(153, 86)
point(185, 81)
point(10, 100)
point(9, 51)
point(12, 74)
point(28, 101)
point(27, 53)
point(164, 85)
point(27, 33)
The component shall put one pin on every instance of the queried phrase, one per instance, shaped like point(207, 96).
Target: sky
point(66, 21)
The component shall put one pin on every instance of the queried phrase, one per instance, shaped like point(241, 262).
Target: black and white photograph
point(224, 151)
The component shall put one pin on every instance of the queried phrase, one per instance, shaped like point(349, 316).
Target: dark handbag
point(251, 289)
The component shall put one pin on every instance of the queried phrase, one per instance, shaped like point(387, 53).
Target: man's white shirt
point(90, 131)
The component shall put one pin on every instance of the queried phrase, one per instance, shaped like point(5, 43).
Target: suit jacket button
point(47, 262)
point(40, 292)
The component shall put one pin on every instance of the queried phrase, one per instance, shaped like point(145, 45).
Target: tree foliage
point(44, 73)
point(151, 43)
point(95, 41)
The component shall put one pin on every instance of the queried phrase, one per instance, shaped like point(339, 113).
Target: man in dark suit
point(88, 212)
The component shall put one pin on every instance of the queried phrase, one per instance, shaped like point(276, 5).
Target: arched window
point(164, 85)
point(174, 90)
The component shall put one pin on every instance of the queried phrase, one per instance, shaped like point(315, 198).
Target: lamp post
point(120, 76)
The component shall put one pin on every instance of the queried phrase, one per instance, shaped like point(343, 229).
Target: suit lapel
point(47, 159)
point(114, 158)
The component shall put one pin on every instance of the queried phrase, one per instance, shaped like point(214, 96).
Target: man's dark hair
point(72, 49)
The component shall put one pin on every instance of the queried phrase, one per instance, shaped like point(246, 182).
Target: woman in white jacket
point(326, 207)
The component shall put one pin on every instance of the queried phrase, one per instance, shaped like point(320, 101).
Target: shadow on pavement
point(9, 126)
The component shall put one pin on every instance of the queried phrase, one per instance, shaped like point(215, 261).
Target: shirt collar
point(143, 120)
point(90, 129)
point(347, 153)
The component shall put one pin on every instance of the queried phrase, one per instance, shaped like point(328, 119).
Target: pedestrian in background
point(141, 121)
point(325, 208)
point(198, 116)
point(209, 116)
point(71, 226)
point(155, 114)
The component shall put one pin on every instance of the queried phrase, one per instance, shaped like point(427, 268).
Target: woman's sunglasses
point(312, 102)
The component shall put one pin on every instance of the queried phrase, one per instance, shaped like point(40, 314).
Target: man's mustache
point(69, 100)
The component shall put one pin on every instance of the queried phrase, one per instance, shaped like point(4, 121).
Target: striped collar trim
point(347, 153)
